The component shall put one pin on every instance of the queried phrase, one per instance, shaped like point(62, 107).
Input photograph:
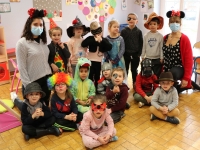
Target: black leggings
point(95, 71)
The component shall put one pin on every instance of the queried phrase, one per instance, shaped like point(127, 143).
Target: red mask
point(100, 107)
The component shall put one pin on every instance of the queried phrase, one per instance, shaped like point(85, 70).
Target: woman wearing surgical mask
point(177, 51)
point(32, 52)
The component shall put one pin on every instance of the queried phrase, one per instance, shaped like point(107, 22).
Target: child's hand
point(161, 61)
point(148, 98)
point(82, 103)
point(54, 68)
point(98, 38)
point(116, 89)
point(69, 69)
point(88, 101)
point(61, 44)
point(69, 117)
point(164, 110)
point(107, 138)
point(101, 140)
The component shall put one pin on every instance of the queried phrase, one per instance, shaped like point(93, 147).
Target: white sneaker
point(140, 104)
point(13, 96)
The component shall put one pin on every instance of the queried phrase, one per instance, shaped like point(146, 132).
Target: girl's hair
point(68, 94)
point(27, 30)
point(99, 97)
point(56, 28)
point(111, 23)
point(118, 69)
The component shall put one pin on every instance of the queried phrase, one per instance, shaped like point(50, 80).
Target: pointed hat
point(52, 23)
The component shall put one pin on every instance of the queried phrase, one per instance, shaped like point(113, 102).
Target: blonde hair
point(56, 28)
point(118, 69)
point(94, 25)
point(111, 23)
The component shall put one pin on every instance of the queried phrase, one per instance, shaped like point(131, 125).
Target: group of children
point(76, 103)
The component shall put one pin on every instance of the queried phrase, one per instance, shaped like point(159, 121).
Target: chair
point(197, 45)
point(16, 74)
point(196, 69)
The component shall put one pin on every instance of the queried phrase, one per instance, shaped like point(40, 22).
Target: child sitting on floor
point(63, 105)
point(83, 89)
point(92, 129)
point(165, 100)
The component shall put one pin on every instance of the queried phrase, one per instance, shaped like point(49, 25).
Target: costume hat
point(52, 23)
point(151, 16)
point(33, 87)
point(77, 23)
point(35, 13)
point(165, 76)
point(173, 13)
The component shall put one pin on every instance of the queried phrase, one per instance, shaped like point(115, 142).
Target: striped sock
point(63, 127)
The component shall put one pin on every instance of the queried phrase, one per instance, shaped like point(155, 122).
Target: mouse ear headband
point(35, 13)
point(172, 13)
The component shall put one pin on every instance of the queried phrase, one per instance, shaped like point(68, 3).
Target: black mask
point(147, 71)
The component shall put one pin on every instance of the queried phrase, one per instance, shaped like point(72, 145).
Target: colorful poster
point(124, 4)
point(143, 6)
point(53, 7)
point(137, 2)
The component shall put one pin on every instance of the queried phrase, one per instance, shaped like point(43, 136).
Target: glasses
point(60, 84)
point(129, 18)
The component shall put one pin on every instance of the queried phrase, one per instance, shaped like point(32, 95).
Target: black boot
point(50, 130)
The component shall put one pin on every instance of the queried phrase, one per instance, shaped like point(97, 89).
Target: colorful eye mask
point(101, 107)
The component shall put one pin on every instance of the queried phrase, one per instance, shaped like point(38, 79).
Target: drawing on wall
point(143, 7)
point(137, 2)
point(69, 2)
point(96, 10)
point(14, 0)
point(124, 4)
point(145, 17)
point(5, 7)
point(150, 4)
point(53, 8)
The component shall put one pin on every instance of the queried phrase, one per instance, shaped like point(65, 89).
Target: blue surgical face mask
point(36, 30)
point(174, 27)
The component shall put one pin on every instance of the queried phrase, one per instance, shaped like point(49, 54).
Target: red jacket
point(145, 84)
point(186, 57)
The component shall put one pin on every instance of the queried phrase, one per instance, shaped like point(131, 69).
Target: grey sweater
point(161, 98)
point(133, 40)
point(152, 46)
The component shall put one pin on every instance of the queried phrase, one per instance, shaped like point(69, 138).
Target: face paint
point(100, 107)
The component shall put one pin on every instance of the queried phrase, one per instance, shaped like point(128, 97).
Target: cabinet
point(4, 72)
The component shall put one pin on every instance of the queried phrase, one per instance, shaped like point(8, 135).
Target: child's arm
point(139, 89)
point(140, 43)
point(26, 117)
point(109, 93)
point(174, 103)
point(86, 42)
point(70, 48)
point(66, 52)
point(110, 124)
point(155, 98)
point(121, 51)
point(46, 111)
point(74, 106)
point(100, 88)
point(143, 49)
point(105, 45)
point(155, 85)
point(92, 90)
point(161, 50)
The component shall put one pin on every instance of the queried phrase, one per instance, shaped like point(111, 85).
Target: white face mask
point(36, 30)
point(174, 27)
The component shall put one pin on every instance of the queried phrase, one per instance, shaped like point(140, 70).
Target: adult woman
point(32, 52)
point(177, 53)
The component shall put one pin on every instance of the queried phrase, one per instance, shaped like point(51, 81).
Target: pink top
point(97, 56)
point(74, 45)
point(90, 124)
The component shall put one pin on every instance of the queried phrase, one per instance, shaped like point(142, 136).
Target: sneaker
point(13, 96)
point(153, 117)
point(26, 137)
point(140, 104)
point(173, 120)
point(114, 138)
point(127, 106)
point(123, 115)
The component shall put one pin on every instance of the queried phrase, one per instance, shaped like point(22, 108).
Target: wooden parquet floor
point(135, 130)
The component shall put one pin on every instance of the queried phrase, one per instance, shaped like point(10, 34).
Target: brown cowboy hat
point(151, 16)
point(77, 23)
point(165, 76)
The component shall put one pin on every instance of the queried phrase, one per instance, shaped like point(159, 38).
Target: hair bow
point(175, 13)
point(34, 13)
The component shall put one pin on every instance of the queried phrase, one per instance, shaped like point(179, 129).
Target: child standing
point(117, 94)
point(59, 53)
point(75, 33)
point(165, 100)
point(63, 105)
point(145, 85)
point(153, 42)
point(83, 89)
point(36, 117)
point(92, 128)
point(115, 55)
point(133, 39)
point(105, 79)
point(97, 45)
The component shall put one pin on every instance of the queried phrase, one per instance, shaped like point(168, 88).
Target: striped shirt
point(32, 60)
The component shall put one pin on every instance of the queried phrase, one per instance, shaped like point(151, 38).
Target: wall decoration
point(98, 10)
point(145, 17)
point(150, 4)
point(53, 7)
point(137, 2)
point(124, 4)
point(5, 7)
point(143, 6)
point(14, 0)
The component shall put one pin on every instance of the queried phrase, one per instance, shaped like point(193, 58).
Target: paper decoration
point(150, 4)
point(14, 0)
point(143, 6)
point(53, 7)
point(137, 2)
point(124, 4)
point(145, 17)
point(5, 7)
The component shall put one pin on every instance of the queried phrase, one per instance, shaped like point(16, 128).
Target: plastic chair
point(16, 74)
point(197, 45)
